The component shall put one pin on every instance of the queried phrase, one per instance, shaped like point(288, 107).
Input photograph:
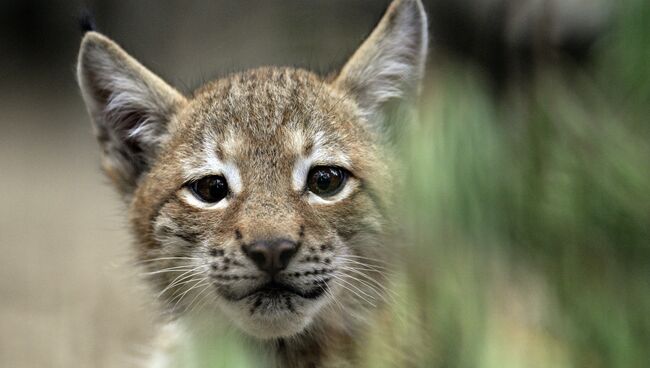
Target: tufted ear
point(129, 105)
point(389, 65)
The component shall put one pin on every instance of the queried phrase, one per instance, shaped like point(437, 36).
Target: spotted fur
point(262, 130)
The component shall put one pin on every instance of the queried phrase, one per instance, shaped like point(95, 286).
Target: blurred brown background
point(65, 298)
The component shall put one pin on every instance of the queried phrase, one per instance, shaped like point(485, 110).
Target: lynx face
point(266, 194)
point(269, 190)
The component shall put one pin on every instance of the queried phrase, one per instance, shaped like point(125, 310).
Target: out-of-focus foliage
point(530, 216)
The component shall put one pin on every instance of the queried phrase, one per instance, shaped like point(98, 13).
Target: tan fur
point(259, 126)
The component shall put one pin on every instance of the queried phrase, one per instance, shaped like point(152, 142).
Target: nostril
point(285, 251)
point(259, 258)
point(271, 256)
point(259, 254)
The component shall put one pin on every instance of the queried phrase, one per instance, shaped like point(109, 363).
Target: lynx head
point(266, 193)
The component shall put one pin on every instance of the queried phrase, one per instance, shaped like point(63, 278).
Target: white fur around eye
point(190, 198)
point(320, 156)
point(300, 172)
point(350, 185)
point(210, 165)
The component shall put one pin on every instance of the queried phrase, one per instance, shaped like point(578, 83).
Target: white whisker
point(181, 278)
point(166, 259)
point(329, 292)
point(379, 292)
point(190, 307)
point(170, 269)
point(357, 293)
point(359, 260)
point(198, 284)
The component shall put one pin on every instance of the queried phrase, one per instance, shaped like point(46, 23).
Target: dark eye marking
point(209, 189)
point(187, 236)
point(326, 181)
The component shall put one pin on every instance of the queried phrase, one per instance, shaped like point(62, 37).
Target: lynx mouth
point(275, 289)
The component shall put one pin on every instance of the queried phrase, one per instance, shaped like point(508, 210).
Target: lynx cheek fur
point(266, 194)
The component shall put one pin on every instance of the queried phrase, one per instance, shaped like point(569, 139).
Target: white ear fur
point(390, 64)
point(129, 105)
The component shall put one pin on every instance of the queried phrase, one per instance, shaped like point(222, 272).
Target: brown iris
point(326, 181)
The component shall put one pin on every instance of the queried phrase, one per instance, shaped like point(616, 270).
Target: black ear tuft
point(87, 21)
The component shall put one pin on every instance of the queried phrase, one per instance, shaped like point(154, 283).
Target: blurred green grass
point(530, 214)
point(527, 218)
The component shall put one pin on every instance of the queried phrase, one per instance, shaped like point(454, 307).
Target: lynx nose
point(271, 256)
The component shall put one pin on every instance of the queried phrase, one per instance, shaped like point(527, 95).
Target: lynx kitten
point(265, 195)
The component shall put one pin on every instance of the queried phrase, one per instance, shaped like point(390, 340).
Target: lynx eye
point(209, 189)
point(325, 181)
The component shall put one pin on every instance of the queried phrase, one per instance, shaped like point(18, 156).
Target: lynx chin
point(264, 198)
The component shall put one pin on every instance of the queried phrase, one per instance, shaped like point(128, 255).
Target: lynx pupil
point(210, 189)
point(326, 181)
